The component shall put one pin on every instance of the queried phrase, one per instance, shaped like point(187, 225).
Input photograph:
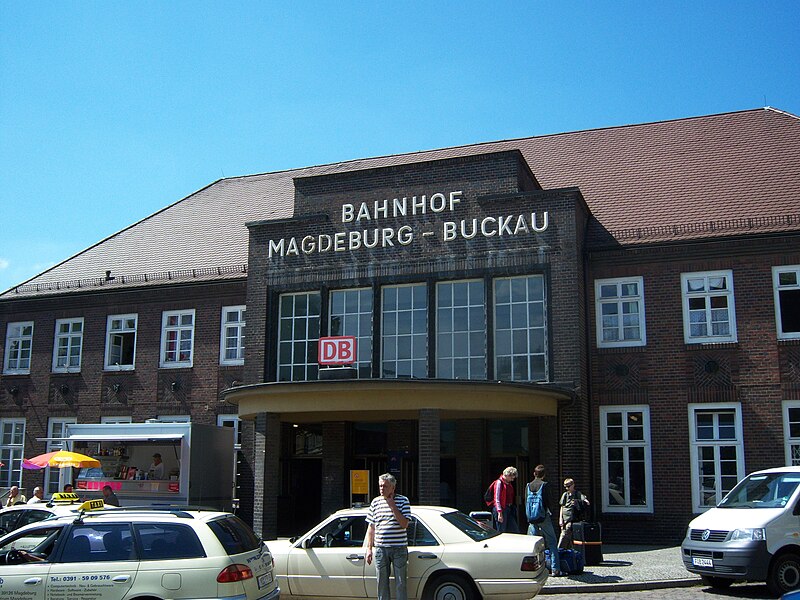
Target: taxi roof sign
point(93, 505)
point(65, 498)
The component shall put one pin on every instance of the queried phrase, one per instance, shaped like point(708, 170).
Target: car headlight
point(748, 535)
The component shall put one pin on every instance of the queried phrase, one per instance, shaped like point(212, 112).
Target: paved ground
point(750, 591)
point(628, 568)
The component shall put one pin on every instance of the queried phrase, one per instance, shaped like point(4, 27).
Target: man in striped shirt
point(388, 518)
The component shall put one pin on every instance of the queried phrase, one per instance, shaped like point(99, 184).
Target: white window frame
point(308, 340)
point(174, 418)
point(788, 440)
point(390, 342)
point(645, 443)
point(448, 350)
point(70, 337)
point(695, 444)
point(112, 420)
point(776, 289)
point(351, 324)
point(126, 330)
point(239, 327)
point(619, 299)
point(17, 328)
point(165, 329)
point(56, 428)
point(710, 338)
point(11, 454)
point(499, 330)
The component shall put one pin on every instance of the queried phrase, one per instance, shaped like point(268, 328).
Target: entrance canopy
point(382, 399)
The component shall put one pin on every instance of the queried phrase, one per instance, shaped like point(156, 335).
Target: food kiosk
point(197, 466)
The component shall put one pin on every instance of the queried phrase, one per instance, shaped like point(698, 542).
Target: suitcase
point(571, 561)
point(587, 537)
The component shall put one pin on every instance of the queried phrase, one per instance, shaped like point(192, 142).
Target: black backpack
point(488, 495)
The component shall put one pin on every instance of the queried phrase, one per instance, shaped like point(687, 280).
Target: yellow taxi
point(123, 553)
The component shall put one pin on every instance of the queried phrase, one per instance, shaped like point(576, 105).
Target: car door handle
point(33, 581)
point(121, 578)
point(426, 555)
point(355, 557)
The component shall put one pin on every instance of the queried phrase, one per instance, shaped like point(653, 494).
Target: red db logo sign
point(339, 350)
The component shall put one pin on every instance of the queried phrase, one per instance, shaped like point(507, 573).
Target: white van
point(752, 535)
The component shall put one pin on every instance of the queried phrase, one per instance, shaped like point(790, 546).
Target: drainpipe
point(588, 349)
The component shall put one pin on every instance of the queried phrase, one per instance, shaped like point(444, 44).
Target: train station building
point(619, 304)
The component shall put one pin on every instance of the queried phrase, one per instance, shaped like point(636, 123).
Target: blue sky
point(111, 111)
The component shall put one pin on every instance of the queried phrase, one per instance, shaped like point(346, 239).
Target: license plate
point(264, 580)
point(703, 562)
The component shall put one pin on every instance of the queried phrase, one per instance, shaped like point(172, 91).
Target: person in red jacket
point(504, 510)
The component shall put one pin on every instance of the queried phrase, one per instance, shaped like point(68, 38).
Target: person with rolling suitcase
point(574, 507)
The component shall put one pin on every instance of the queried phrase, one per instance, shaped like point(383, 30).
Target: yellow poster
point(359, 481)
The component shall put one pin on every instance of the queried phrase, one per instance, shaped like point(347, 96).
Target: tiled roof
point(684, 179)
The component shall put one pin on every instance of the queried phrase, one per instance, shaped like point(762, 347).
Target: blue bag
point(534, 505)
point(571, 561)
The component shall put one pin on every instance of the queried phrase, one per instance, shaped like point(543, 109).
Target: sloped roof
point(684, 179)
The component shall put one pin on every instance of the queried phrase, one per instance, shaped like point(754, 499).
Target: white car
point(19, 515)
point(157, 554)
point(450, 557)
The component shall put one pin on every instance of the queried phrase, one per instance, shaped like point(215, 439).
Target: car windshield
point(474, 529)
point(764, 490)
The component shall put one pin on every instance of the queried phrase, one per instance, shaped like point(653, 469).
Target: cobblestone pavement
point(698, 592)
point(627, 568)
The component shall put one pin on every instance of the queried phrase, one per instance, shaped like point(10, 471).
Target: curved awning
point(382, 399)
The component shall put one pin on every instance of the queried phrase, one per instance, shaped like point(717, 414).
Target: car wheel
point(718, 583)
point(450, 587)
point(784, 574)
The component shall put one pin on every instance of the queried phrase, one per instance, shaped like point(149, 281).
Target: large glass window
point(121, 342)
point(626, 464)
point(791, 431)
point(12, 441)
point(460, 330)
point(298, 336)
point(56, 428)
point(786, 287)
point(232, 335)
point(351, 315)
point(619, 306)
point(520, 334)
point(177, 338)
point(716, 452)
point(68, 345)
point(404, 343)
point(708, 307)
point(19, 339)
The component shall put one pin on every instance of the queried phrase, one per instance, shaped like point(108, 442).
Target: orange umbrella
point(63, 459)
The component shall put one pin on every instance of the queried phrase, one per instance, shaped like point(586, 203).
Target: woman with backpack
point(574, 506)
point(540, 520)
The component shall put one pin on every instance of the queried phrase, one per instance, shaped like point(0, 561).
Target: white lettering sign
point(370, 213)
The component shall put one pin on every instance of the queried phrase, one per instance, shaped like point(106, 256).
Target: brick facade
point(667, 376)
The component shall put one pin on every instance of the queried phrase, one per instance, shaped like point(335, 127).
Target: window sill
point(789, 342)
point(232, 363)
point(119, 369)
point(712, 346)
point(175, 366)
point(621, 349)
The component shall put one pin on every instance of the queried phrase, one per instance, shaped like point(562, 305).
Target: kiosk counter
point(155, 463)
